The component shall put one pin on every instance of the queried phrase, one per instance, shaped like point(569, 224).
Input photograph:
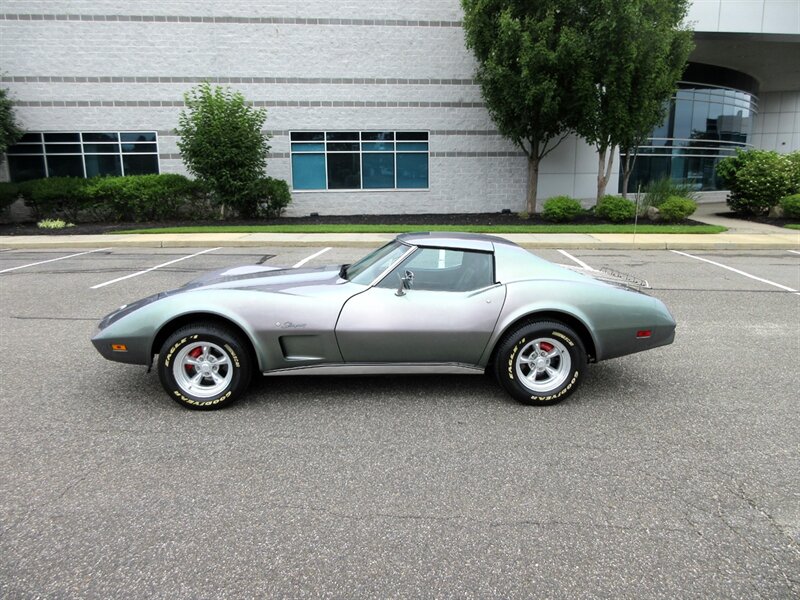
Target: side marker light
point(119, 347)
point(643, 333)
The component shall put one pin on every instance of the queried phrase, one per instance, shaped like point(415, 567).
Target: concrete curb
point(722, 241)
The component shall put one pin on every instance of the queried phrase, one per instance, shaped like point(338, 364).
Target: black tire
point(220, 369)
point(540, 363)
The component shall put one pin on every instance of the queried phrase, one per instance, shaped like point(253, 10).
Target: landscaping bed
point(340, 222)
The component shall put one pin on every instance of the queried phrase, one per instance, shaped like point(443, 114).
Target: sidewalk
point(742, 235)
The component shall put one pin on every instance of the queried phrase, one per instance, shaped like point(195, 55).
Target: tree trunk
point(533, 183)
point(626, 175)
point(604, 170)
point(627, 169)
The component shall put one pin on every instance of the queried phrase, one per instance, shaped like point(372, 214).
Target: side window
point(444, 270)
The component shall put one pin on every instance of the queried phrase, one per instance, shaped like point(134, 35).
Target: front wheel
point(540, 362)
point(204, 367)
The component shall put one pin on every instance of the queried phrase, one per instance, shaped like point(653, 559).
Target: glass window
point(103, 164)
point(378, 170)
point(137, 136)
point(444, 270)
point(376, 262)
point(351, 160)
point(378, 135)
point(308, 171)
point(85, 154)
point(344, 171)
point(65, 166)
point(101, 148)
point(412, 170)
point(23, 168)
point(100, 137)
point(140, 164)
point(308, 136)
point(338, 136)
point(62, 137)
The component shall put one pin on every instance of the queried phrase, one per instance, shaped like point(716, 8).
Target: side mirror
point(405, 283)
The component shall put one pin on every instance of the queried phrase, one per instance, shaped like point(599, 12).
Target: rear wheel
point(540, 362)
point(204, 366)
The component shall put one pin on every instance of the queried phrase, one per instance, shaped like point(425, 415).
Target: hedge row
point(616, 209)
point(133, 198)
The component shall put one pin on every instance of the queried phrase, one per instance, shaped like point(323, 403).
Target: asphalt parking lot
point(670, 474)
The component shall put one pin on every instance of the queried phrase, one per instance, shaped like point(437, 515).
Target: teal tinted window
point(352, 160)
point(405, 147)
point(412, 170)
point(308, 171)
point(308, 147)
point(378, 170)
point(377, 147)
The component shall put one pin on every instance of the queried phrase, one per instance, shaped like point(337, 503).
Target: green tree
point(222, 145)
point(528, 56)
point(639, 52)
point(10, 133)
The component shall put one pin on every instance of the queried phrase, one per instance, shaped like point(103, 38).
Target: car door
point(446, 315)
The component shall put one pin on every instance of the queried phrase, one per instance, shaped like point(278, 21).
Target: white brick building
point(356, 66)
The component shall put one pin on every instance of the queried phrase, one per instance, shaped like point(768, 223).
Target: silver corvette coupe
point(423, 303)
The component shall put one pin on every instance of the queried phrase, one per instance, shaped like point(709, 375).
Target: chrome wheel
point(202, 369)
point(543, 365)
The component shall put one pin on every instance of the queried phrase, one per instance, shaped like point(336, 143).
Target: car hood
point(266, 279)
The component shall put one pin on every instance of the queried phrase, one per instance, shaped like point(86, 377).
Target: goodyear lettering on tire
point(511, 358)
point(563, 337)
point(559, 394)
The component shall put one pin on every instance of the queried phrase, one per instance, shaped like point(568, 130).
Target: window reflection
point(704, 124)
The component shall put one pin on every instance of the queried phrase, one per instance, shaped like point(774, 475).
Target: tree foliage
point(10, 132)
point(222, 145)
point(639, 52)
point(601, 68)
point(528, 56)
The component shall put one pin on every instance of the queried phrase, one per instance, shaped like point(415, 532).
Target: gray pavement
point(670, 474)
point(742, 235)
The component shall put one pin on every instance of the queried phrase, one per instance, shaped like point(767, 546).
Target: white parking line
point(577, 260)
point(308, 258)
point(794, 251)
point(41, 262)
point(172, 262)
point(762, 280)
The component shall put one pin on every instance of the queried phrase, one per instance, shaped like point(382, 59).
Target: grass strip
point(792, 226)
point(387, 228)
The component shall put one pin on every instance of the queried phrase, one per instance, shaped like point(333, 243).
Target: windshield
point(373, 264)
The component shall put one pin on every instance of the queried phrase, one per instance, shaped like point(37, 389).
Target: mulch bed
point(411, 219)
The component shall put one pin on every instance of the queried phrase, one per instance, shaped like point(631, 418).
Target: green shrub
point(791, 206)
point(9, 192)
point(146, 197)
point(561, 209)
point(615, 209)
point(757, 179)
point(660, 190)
point(676, 209)
point(271, 196)
point(56, 196)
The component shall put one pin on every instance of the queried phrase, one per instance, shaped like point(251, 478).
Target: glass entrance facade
point(710, 116)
